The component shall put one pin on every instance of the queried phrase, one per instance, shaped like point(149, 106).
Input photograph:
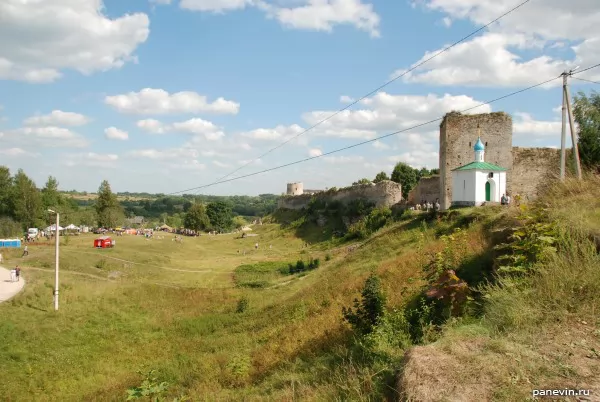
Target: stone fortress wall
point(385, 193)
point(527, 168)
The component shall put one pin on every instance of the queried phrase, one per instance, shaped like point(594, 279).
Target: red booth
point(104, 242)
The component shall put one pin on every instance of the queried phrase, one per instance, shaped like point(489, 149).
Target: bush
point(242, 305)
point(368, 312)
point(9, 228)
point(101, 264)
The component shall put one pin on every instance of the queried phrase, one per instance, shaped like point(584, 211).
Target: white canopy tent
point(52, 228)
point(72, 227)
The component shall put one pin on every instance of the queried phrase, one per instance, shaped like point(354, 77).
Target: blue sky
point(126, 91)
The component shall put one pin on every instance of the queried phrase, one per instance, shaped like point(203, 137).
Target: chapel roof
point(481, 166)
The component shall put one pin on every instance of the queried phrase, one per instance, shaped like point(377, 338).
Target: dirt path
point(7, 288)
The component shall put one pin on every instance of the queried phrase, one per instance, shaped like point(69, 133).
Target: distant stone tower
point(295, 188)
point(457, 133)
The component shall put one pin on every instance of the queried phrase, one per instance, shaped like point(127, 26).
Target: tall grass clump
point(552, 273)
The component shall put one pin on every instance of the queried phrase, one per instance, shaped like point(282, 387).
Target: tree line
point(23, 205)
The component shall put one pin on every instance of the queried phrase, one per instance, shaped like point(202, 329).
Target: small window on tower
point(486, 143)
point(491, 175)
point(469, 144)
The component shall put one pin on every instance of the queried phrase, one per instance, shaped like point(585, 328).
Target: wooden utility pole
point(566, 108)
point(563, 133)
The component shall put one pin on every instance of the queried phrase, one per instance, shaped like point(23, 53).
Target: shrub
point(242, 305)
point(300, 266)
point(533, 242)
point(327, 257)
point(101, 264)
point(368, 312)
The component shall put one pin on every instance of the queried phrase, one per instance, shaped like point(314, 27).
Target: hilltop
point(218, 320)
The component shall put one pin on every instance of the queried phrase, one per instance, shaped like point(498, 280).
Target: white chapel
point(478, 182)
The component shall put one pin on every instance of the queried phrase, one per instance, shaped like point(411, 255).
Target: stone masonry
point(458, 134)
point(385, 193)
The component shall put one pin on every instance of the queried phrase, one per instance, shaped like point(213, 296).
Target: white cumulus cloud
point(57, 118)
point(150, 101)
point(497, 59)
point(49, 37)
point(113, 133)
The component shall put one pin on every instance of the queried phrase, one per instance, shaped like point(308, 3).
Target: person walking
point(25, 252)
point(18, 273)
point(13, 275)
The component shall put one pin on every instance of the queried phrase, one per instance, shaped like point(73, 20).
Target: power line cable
point(590, 81)
point(376, 90)
point(369, 141)
point(586, 69)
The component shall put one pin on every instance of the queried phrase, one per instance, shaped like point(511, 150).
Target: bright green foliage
point(362, 181)
point(239, 222)
point(529, 244)
point(406, 176)
point(381, 176)
point(6, 183)
point(26, 200)
point(586, 112)
point(301, 266)
point(368, 312)
point(220, 216)
point(149, 388)
point(109, 212)
point(196, 218)
point(375, 220)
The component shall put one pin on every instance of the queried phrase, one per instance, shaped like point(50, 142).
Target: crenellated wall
point(385, 193)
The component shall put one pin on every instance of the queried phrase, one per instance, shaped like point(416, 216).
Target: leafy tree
point(239, 222)
point(51, 198)
point(220, 215)
point(26, 200)
point(368, 312)
point(9, 228)
point(586, 112)
point(175, 220)
point(109, 211)
point(196, 218)
point(50, 194)
point(381, 176)
point(406, 176)
point(362, 181)
point(6, 183)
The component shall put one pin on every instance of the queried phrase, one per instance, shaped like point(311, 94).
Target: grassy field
point(176, 308)
point(172, 308)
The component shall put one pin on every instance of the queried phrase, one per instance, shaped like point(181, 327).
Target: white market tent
point(72, 227)
point(52, 228)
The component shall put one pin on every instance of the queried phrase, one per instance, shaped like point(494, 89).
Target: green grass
point(173, 308)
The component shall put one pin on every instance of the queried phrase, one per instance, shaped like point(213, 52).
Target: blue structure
point(10, 243)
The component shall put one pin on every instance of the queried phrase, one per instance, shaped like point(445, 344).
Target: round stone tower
point(295, 188)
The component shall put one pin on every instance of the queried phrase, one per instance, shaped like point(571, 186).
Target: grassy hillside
point(216, 324)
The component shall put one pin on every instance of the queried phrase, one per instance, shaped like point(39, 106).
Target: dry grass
point(538, 333)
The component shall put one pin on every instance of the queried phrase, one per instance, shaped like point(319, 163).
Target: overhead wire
point(374, 139)
point(590, 81)
point(373, 91)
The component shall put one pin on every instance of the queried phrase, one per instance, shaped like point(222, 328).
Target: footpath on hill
point(7, 288)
